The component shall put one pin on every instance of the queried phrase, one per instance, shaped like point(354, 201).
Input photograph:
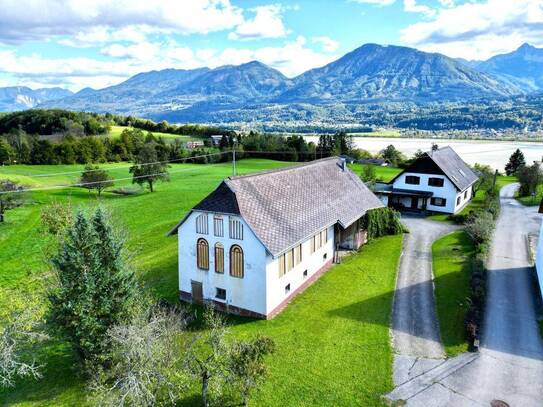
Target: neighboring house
point(539, 254)
point(216, 139)
point(258, 240)
point(438, 181)
point(382, 162)
point(191, 145)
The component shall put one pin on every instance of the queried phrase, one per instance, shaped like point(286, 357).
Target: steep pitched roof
point(284, 207)
point(460, 174)
point(443, 160)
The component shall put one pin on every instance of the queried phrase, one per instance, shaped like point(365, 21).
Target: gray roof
point(284, 207)
point(460, 174)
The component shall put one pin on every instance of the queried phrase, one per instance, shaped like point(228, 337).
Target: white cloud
point(376, 2)
point(411, 6)
point(446, 3)
point(100, 35)
point(327, 43)
point(267, 23)
point(291, 58)
point(37, 19)
point(479, 30)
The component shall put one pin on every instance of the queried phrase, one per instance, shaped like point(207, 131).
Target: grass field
point(379, 133)
point(342, 320)
point(384, 174)
point(532, 201)
point(452, 262)
point(117, 130)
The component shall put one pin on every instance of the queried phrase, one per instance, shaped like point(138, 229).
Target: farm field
point(342, 319)
point(116, 131)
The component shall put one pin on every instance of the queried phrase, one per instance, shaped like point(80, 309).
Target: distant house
point(216, 139)
point(191, 145)
point(539, 254)
point(258, 240)
point(382, 162)
point(438, 181)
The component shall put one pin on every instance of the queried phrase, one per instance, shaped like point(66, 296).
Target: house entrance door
point(197, 292)
point(414, 203)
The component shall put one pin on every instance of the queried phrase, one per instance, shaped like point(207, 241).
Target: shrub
point(480, 226)
point(381, 222)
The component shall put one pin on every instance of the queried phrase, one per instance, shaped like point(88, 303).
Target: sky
point(82, 43)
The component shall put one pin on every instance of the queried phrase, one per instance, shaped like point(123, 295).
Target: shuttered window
point(201, 224)
point(202, 254)
point(324, 237)
point(312, 244)
point(236, 229)
point(218, 226)
point(219, 258)
point(298, 254)
point(318, 240)
point(282, 266)
point(290, 259)
point(236, 261)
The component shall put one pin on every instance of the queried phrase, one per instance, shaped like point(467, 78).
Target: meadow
point(340, 321)
point(116, 131)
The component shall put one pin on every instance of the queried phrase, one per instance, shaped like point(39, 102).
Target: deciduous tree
point(11, 196)
point(147, 169)
point(95, 178)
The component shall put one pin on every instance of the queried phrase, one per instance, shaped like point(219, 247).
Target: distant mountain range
point(21, 97)
point(371, 73)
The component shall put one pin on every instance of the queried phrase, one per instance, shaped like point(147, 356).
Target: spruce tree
point(95, 290)
point(516, 162)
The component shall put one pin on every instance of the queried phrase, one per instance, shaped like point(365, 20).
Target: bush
point(479, 226)
point(381, 222)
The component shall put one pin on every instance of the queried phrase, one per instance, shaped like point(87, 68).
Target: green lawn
point(452, 262)
point(117, 130)
point(379, 133)
point(342, 320)
point(384, 174)
point(532, 201)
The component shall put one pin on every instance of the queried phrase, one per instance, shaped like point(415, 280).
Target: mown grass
point(384, 174)
point(531, 200)
point(116, 131)
point(452, 257)
point(332, 342)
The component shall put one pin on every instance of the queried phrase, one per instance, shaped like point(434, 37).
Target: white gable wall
point(248, 292)
point(447, 191)
point(312, 262)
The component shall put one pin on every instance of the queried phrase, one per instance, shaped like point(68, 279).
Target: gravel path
point(509, 366)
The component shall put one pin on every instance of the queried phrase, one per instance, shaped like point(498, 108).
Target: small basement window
point(287, 288)
point(220, 293)
point(324, 256)
point(305, 273)
point(412, 180)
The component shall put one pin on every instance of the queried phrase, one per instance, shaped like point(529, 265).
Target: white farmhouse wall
point(312, 262)
point(539, 259)
point(462, 199)
point(248, 292)
point(447, 191)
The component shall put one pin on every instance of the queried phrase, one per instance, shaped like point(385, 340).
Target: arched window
point(236, 261)
point(202, 254)
point(219, 258)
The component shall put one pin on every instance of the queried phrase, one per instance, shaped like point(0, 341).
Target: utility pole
point(494, 180)
point(234, 158)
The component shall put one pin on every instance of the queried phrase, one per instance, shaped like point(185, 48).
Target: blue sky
point(97, 43)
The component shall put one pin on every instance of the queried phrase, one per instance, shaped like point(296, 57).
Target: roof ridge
point(282, 169)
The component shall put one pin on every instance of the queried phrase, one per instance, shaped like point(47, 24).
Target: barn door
point(197, 292)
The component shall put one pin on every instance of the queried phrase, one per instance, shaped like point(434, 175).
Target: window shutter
point(282, 270)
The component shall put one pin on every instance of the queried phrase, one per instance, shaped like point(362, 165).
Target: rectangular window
point(218, 226)
point(282, 266)
point(458, 200)
point(465, 194)
point(412, 180)
point(236, 229)
point(438, 201)
point(435, 182)
point(201, 224)
point(287, 288)
point(220, 293)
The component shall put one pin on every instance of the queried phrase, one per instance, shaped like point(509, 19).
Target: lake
point(493, 153)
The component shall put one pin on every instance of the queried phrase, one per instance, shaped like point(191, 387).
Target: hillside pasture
point(342, 320)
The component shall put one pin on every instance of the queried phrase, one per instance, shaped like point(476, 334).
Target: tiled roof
point(286, 206)
point(460, 174)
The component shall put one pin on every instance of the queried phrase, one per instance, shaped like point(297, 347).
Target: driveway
point(415, 328)
point(509, 365)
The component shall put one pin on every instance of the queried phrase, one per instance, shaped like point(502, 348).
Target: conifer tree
point(516, 162)
point(95, 290)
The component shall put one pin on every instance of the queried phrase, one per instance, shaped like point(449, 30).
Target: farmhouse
point(258, 240)
point(438, 181)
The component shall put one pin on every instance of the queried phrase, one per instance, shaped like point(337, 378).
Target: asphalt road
point(509, 365)
point(415, 328)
